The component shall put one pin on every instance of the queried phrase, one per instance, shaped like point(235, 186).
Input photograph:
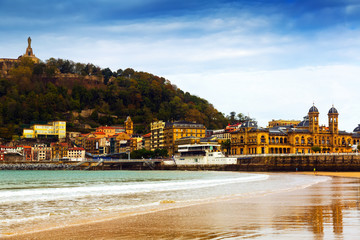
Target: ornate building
point(305, 137)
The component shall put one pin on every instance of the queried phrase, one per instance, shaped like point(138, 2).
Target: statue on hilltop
point(29, 42)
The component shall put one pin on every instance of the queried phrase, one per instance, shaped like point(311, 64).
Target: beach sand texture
point(327, 210)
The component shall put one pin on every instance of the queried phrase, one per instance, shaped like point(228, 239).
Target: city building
point(135, 143)
point(306, 137)
point(180, 129)
point(108, 131)
point(55, 129)
point(147, 141)
point(27, 153)
point(157, 135)
point(41, 152)
point(59, 150)
point(76, 154)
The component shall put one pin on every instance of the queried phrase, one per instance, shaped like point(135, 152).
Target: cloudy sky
point(270, 59)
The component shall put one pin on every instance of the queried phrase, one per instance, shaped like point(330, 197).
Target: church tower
point(313, 119)
point(333, 120)
point(129, 126)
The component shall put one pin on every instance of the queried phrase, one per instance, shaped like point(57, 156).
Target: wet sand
point(335, 174)
point(328, 210)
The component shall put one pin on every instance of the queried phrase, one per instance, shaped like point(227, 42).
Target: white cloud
point(280, 94)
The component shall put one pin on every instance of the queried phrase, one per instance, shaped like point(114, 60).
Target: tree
point(316, 149)
point(226, 145)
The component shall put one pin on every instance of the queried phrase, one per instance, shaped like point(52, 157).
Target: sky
point(268, 59)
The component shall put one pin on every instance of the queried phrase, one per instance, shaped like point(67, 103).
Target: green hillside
point(85, 94)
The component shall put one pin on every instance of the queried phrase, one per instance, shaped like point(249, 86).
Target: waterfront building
point(300, 138)
point(157, 135)
point(91, 145)
point(2, 155)
point(76, 154)
point(135, 143)
point(55, 129)
point(180, 129)
point(59, 150)
point(8, 149)
point(27, 153)
point(147, 141)
point(41, 152)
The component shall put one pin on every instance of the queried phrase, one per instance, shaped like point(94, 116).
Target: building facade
point(181, 129)
point(59, 150)
point(41, 152)
point(157, 135)
point(76, 154)
point(305, 137)
point(55, 129)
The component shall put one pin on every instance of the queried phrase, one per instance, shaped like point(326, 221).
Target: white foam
point(47, 194)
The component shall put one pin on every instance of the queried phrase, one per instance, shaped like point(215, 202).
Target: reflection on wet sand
point(327, 207)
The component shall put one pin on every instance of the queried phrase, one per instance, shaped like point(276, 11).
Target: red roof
point(99, 133)
point(2, 146)
point(147, 135)
point(76, 149)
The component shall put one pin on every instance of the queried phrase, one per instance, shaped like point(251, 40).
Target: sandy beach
point(327, 210)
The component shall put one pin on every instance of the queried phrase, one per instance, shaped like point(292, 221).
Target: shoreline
point(158, 223)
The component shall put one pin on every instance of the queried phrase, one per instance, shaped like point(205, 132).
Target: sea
point(32, 201)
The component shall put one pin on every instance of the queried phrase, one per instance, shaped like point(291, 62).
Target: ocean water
point(38, 200)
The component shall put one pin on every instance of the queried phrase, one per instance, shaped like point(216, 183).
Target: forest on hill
point(62, 90)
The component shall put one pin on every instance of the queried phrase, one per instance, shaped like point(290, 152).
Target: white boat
point(200, 154)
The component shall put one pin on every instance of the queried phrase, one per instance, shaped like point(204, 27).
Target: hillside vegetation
point(61, 90)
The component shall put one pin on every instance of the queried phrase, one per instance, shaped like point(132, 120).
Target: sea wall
point(34, 166)
point(259, 163)
point(276, 163)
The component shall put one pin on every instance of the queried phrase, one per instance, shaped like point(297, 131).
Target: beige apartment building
point(157, 135)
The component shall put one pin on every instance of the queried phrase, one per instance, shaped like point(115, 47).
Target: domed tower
point(357, 129)
point(313, 119)
point(333, 120)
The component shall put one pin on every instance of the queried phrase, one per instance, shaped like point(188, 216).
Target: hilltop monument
point(29, 52)
point(7, 63)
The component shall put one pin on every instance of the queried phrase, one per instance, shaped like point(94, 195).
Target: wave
point(46, 194)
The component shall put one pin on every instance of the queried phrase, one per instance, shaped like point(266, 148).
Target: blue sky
point(268, 59)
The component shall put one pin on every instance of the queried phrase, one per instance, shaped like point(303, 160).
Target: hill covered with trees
point(84, 94)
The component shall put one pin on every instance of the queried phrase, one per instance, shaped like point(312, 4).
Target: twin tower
point(314, 120)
